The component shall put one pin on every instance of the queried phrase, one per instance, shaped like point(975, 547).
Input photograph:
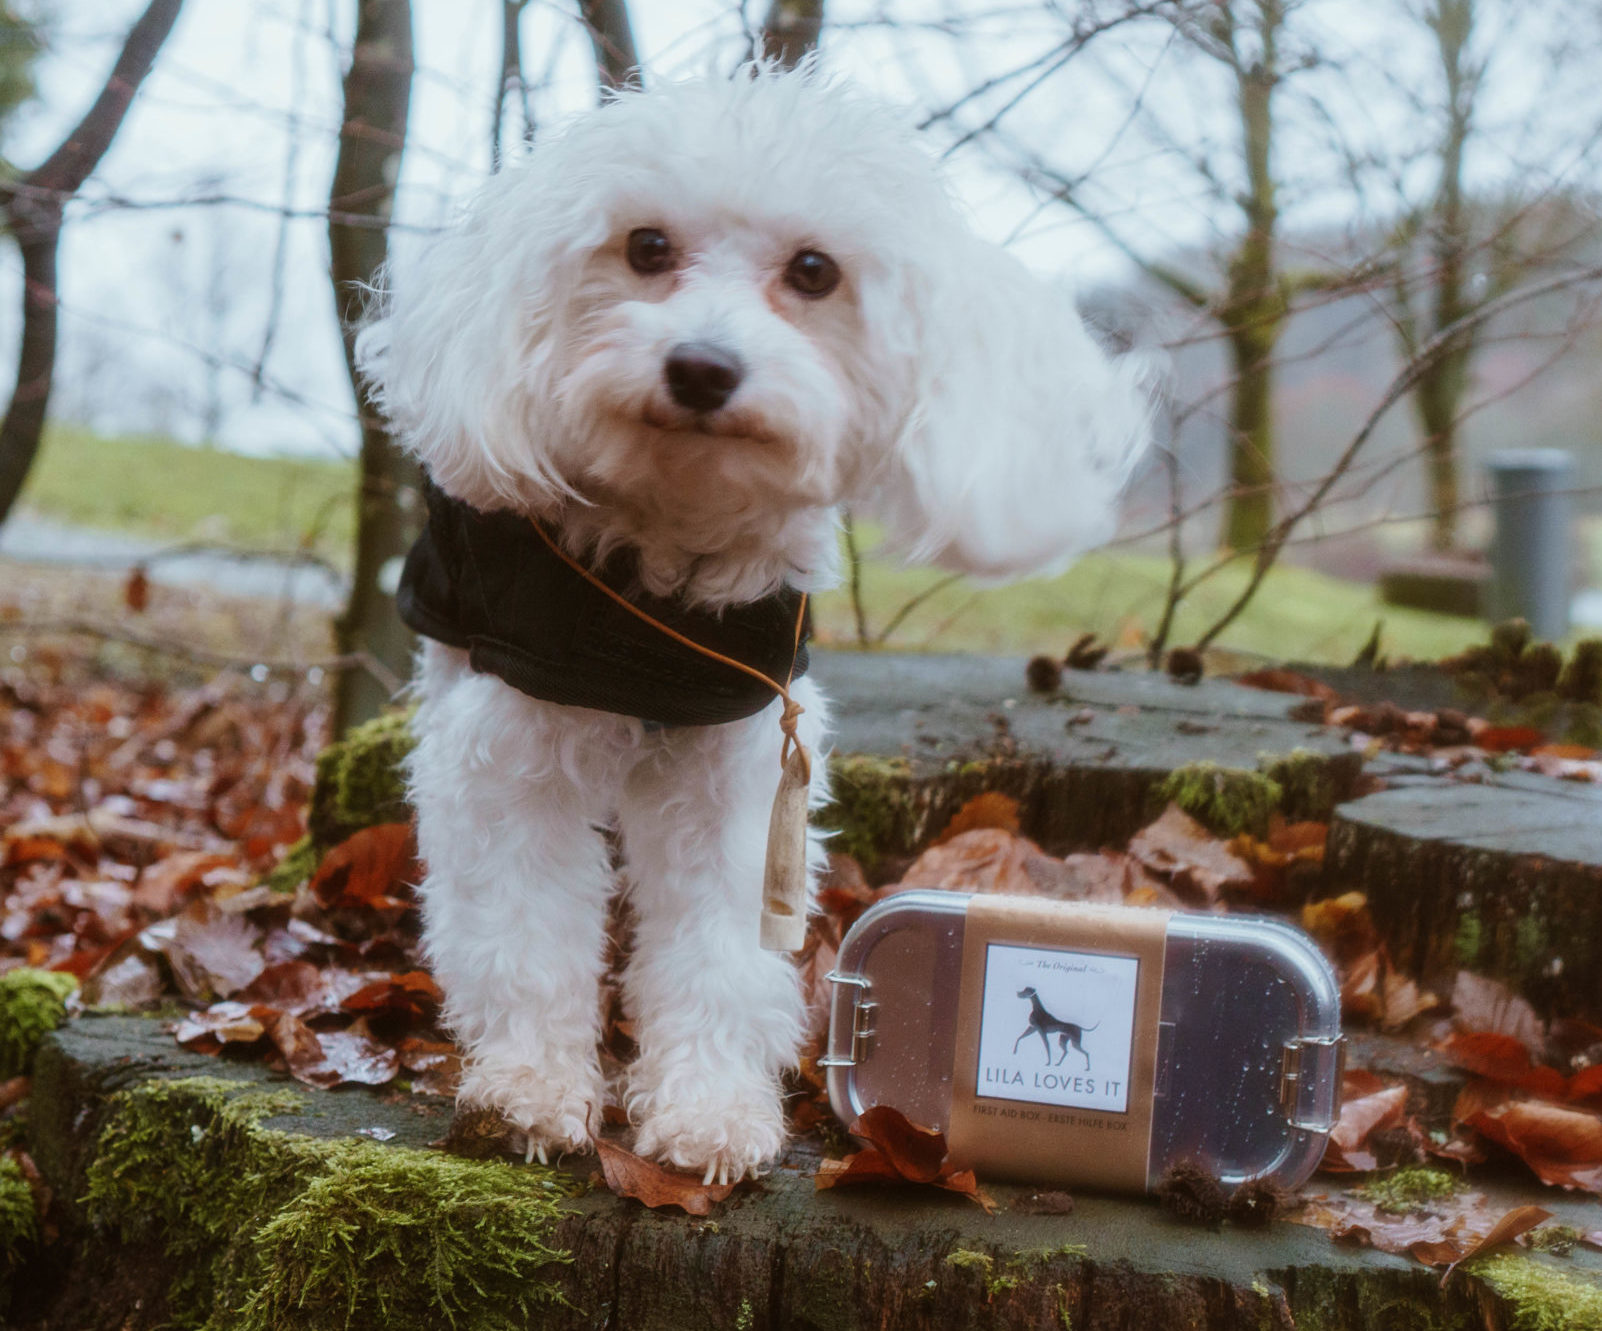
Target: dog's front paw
point(722, 1140)
point(554, 1114)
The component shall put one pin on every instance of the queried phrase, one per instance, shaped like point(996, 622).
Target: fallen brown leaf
point(630, 1175)
point(991, 809)
point(1520, 1220)
point(1563, 1146)
point(364, 871)
point(899, 1151)
point(1368, 1105)
point(987, 859)
point(1191, 859)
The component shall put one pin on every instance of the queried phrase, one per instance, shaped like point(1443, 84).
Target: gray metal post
point(1530, 548)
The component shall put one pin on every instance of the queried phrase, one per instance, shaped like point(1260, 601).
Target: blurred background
point(1360, 238)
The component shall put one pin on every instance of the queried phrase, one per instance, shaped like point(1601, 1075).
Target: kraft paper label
point(1056, 1052)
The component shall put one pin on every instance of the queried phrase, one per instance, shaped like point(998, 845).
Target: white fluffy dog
point(693, 327)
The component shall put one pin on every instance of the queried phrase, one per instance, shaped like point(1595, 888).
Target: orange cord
point(792, 709)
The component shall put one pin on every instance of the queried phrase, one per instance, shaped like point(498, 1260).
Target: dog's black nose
point(702, 377)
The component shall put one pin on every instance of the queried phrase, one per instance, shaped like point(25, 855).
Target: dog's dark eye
point(813, 273)
point(649, 250)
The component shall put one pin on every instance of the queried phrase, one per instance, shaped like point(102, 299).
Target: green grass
point(170, 491)
point(1298, 614)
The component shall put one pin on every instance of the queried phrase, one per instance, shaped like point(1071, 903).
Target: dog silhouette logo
point(1045, 1025)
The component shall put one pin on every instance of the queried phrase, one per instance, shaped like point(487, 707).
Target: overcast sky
point(165, 308)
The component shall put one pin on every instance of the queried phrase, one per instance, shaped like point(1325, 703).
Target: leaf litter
point(136, 821)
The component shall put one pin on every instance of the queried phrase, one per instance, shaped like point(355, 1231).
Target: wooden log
point(1503, 879)
point(778, 1256)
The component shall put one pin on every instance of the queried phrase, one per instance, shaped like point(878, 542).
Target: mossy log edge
point(137, 1256)
point(1532, 921)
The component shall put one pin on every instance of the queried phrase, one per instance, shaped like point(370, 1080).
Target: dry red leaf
point(333, 1058)
point(1287, 681)
point(1508, 739)
point(914, 1152)
point(290, 986)
point(1562, 1145)
point(165, 883)
point(987, 859)
point(989, 810)
point(365, 871)
point(136, 590)
point(1195, 863)
point(1483, 1004)
point(435, 1065)
point(1503, 1059)
point(899, 1151)
point(413, 995)
point(1368, 1105)
point(210, 951)
point(630, 1175)
point(224, 1023)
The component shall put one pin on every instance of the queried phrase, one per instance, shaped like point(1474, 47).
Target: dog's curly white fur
point(906, 369)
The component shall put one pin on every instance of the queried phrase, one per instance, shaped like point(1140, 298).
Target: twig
point(854, 556)
point(897, 619)
point(167, 646)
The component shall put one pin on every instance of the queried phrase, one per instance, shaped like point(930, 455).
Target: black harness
point(486, 582)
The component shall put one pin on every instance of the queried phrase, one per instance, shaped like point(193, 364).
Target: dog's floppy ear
point(459, 345)
point(1018, 431)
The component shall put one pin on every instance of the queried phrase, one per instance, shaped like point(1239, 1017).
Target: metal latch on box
point(1305, 1067)
point(863, 1010)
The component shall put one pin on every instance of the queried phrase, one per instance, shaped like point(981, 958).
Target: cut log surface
point(1504, 878)
point(1085, 761)
point(776, 1255)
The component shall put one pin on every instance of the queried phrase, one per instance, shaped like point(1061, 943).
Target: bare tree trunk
point(1439, 394)
point(791, 30)
point(31, 209)
point(1254, 307)
point(1251, 426)
point(616, 60)
point(389, 514)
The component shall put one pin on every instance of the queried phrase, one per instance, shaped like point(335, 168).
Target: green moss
point(19, 1221)
point(869, 812)
point(1469, 940)
point(32, 1004)
point(1539, 1296)
point(272, 1231)
point(1508, 641)
point(1581, 680)
point(1226, 800)
point(966, 1259)
point(1559, 1240)
point(361, 782)
point(1532, 946)
point(299, 863)
point(1409, 1189)
point(1030, 1256)
point(1305, 781)
point(361, 779)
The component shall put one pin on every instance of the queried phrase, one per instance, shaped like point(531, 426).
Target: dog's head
point(715, 305)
